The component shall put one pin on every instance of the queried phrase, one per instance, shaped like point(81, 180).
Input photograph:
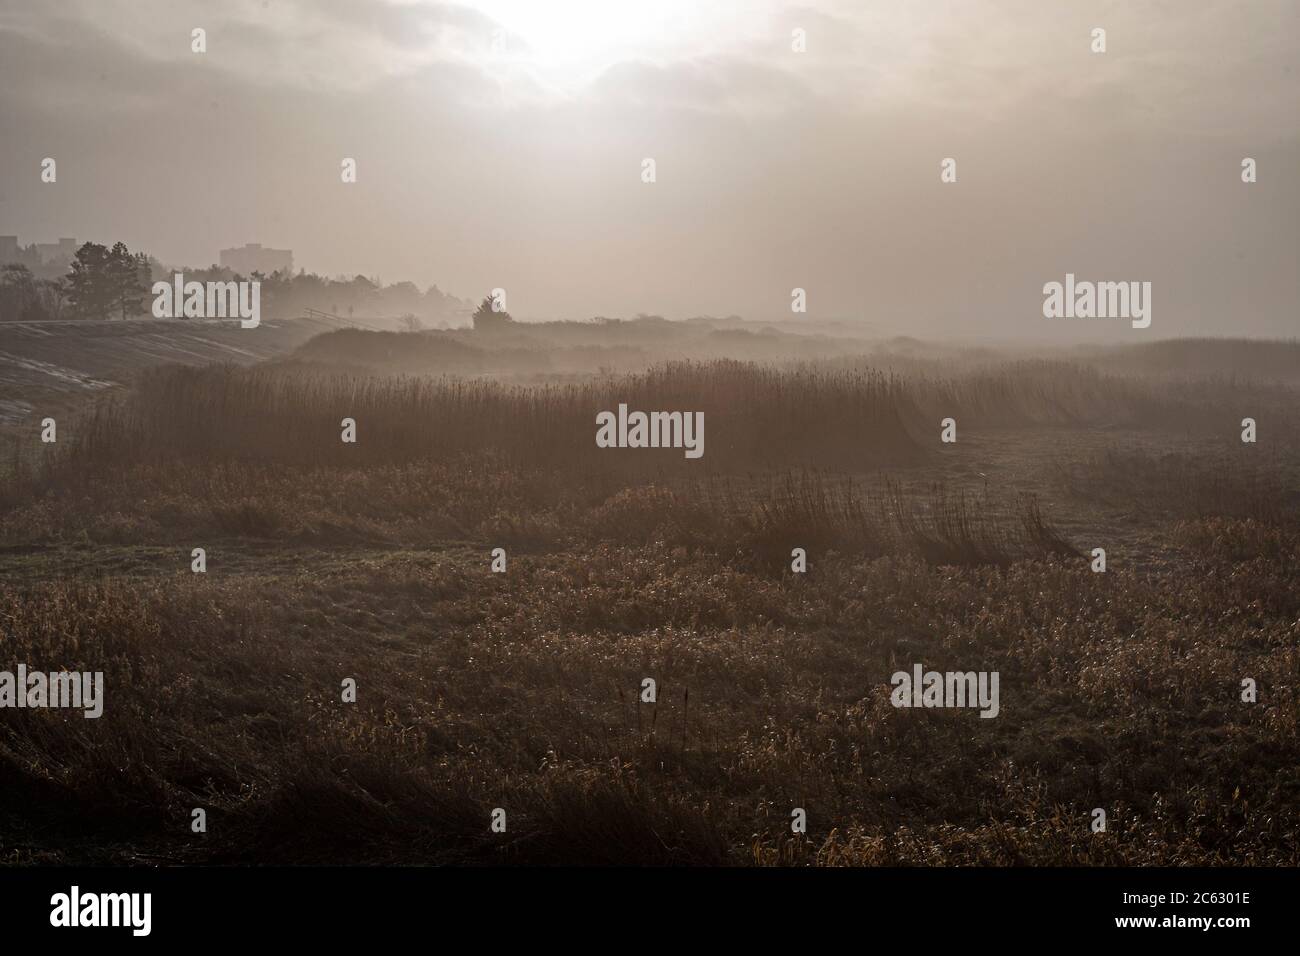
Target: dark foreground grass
point(521, 691)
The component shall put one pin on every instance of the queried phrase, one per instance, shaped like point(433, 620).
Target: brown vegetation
point(521, 690)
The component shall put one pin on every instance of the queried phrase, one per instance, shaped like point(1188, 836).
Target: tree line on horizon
point(102, 282)
point(113, 282)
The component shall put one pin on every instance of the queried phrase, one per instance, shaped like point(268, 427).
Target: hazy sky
point(500, 143)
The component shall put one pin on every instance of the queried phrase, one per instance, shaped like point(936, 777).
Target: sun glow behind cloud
point(569, 41)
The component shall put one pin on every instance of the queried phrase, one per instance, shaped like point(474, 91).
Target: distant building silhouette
point(252, 257)
point(53, 256)
point(57, 253)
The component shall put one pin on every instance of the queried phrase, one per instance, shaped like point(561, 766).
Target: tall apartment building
point(61, 252)
point(253, 257)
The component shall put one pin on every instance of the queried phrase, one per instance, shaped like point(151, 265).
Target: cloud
point(326, 46)
point(722, 84)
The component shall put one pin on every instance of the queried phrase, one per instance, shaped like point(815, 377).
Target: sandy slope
point(44, 365)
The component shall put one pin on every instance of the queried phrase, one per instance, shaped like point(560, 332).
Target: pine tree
point(485, 318)
point(90, 283)
point(125, 278)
